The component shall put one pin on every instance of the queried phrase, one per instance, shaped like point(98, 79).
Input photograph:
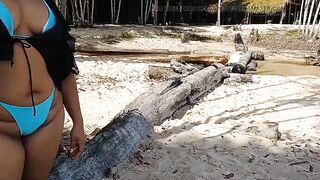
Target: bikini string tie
point(24, 46)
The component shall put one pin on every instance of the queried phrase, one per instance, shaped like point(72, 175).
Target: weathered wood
point(181, 68)
point(254, 36)
point(239, 44)
point(116, 141)
point(241, 66)
point(160, 72)
point(252, 66)
point(111, 50)
point(203, 59)
point(258, 55)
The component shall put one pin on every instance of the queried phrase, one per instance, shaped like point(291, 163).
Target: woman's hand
point(78, 141)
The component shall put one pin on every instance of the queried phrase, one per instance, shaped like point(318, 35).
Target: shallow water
point(286, 68)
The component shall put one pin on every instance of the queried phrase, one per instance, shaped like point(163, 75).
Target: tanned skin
point(31, 157)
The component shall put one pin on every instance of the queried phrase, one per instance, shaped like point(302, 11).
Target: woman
point(36, 81)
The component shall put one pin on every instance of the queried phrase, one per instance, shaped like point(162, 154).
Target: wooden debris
point(183, 68)
point(160, 72)
point(252, 66)
point(298, 163)
point(239, 44)
point(258, 55)
point(117, 140)
point(254, 36)
point(241, 66)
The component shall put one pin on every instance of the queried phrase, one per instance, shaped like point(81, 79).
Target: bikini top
point(55, 44)
point(7, 19)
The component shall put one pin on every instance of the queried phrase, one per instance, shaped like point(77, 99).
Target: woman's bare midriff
point(15, 86)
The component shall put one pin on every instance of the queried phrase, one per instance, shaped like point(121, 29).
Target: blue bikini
point(28, 118)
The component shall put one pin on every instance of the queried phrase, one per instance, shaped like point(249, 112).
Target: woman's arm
point(71, 102)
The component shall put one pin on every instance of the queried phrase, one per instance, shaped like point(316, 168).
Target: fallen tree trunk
point(112, 51)
point(115, 142)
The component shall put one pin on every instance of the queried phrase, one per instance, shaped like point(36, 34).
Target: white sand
point(105, 88)
point(215, 136)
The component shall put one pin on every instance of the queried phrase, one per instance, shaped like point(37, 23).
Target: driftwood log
point(241, 66)
point(98, 50)
point(115, 142)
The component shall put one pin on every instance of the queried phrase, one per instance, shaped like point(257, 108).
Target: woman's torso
point(29, 18)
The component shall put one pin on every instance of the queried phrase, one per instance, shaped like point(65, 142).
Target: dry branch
point(116, 141)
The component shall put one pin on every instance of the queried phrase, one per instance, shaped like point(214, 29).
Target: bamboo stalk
point(118, 13)
point(300, 16)
point(77, 12)
point(315, 19)
point(165, 12)
point(283, 14)
point(88, 12)
point(155, 20)
point(219, 13)
point(84, 10)
point(81, 10)
point(73, 12)
point(141, 12)
point(309, 18)
point(146, 12)
point(112, 18)
point(305, 16)
point(92, 11)
point(317, 31)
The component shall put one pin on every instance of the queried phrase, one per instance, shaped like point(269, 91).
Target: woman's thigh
point(11, 158)
point(41, 148)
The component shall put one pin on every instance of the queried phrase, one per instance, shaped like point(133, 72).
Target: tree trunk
point(92, 12)
point(88, 12)
point(116, 141)
point(181, 11)
point(309, 18)
point(165, 12)
point(307, 4)
point(219, 13)
point(300, 16)
point(155, 13)
point(63, 8)
point(141, 12)
point(73, 12)
point(118, 12)
point(84, 10)
point(81, 11)
point(283, 13)
point(317, 31)
point(147, 11)
point(112, 10)
point(77, 12)
point(289, 17)
point(315, 19)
